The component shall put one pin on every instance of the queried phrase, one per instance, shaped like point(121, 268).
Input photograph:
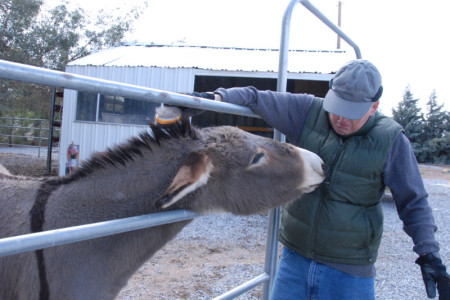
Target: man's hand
point(206, 95)
point(434, 274)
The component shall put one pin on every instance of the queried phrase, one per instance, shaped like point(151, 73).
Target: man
point(332, 235)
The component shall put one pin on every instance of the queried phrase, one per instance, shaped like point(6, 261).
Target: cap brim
point(344, 108)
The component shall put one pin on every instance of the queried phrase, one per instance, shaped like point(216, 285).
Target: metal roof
point(215, 58)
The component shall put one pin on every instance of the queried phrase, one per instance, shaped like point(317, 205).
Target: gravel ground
point(398, 277)
point(216, 253)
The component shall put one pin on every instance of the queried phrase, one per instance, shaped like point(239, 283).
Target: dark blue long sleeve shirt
point(287, 113)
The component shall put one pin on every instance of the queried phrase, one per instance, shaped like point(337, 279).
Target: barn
point(94, 122)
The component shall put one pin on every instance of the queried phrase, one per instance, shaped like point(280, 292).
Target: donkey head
point(235, 171)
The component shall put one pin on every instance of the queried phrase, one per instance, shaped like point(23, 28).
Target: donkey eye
point(257, 158)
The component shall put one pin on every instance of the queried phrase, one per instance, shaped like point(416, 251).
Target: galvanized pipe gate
point(35, 241)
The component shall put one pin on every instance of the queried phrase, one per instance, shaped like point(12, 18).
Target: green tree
point(436, 147)
point(51, 39)
point(16, 19)
point(55, 37)
point(436, 150)
point(408, 114)
point(437, 120)
point(429, 135)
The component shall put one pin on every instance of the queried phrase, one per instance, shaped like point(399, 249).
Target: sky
point(407, 40)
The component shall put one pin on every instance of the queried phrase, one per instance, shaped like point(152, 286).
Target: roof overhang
point(217, 59)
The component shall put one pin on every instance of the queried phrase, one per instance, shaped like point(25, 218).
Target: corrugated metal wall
point(91, 136)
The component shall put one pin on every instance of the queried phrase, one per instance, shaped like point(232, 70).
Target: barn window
point(86, 106)
point(113, 109)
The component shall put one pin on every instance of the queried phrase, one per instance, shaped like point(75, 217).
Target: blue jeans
point(299, 278)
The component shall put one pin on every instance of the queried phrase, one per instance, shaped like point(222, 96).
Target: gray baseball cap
point(353, 90)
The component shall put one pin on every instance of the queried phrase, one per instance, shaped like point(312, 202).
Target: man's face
point(345, 126)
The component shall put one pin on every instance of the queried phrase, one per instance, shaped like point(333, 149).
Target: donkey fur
point(204, 170)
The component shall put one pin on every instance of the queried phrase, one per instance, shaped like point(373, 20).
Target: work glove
point(193, 112)
point(207, 95)
point(434, 274)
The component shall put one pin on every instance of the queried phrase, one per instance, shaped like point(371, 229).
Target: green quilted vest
point(342, 220)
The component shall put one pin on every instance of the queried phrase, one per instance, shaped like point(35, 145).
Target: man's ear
point(374, 107)
point(193, 173)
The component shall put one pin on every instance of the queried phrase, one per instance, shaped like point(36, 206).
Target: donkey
point(216, 169)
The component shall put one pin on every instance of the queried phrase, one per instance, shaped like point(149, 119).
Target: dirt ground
point(26, 165)
point(188, 268)
point(435, 171)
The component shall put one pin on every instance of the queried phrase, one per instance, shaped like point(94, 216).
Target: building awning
point(215, 58)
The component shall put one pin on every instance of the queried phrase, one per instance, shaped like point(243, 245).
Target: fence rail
point(52, 238)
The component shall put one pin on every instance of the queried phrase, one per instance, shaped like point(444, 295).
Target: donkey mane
point(126, 152)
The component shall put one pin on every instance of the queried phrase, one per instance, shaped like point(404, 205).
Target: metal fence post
point(50, 133)
point(10, 132)
point(275, 215)
point(39, 143)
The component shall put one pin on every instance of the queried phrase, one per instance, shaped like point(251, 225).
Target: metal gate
point(35, 241)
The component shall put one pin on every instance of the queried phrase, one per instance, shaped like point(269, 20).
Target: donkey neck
point(116, 190)
point(109, 192)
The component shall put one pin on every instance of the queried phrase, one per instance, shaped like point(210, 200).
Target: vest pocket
point(348, 231)
point(375, 219)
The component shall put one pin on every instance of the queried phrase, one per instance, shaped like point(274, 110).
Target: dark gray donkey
point(204, 170)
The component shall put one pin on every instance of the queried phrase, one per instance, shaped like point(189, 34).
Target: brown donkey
point(204, 170)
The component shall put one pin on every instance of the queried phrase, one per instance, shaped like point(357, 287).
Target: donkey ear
point(193, 173)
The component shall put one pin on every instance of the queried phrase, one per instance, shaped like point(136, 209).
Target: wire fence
point(27, 133)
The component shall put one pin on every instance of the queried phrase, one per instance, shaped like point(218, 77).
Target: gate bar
point(275, 214)
point(50, 133)
point(35, 75)
point(239, 290)
point(51, 238)
point(331, 25)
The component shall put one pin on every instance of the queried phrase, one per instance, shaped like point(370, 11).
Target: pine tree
point(436, 147)
point(437, 121)
point(409, 115)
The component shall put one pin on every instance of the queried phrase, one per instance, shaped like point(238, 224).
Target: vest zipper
point(328, 174)
point(330, 167)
